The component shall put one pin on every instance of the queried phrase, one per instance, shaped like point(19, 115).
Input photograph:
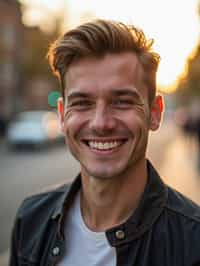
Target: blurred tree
point(37, 76)
point(36, 43)
point(189, 84)
point(37, 38)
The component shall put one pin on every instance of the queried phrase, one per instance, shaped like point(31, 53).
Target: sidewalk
point(179, 169)
point(4, 259)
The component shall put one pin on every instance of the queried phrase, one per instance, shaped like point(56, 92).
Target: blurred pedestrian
point(117, 211)
point(2, 126)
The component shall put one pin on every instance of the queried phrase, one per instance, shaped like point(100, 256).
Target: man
point(117, 211)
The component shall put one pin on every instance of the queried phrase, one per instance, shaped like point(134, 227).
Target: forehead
point(111, 71)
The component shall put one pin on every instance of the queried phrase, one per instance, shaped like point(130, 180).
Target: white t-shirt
point(83, 246)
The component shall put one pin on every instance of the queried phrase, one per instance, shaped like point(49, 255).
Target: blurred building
point(35, 94)
point(38, 78)
point(25, 77)
point(11, 49)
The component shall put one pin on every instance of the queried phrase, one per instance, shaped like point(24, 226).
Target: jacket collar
point(149, 209)
point(68, 192)
point(151, 205)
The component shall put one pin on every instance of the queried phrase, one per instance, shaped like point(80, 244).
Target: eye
point(123, 103)
point(80, 104)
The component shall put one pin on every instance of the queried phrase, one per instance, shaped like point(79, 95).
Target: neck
point(107, 203)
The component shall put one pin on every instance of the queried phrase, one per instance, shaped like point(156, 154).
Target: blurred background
point(32, 151)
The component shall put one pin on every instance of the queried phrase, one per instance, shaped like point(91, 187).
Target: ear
point(156, 112)
point(60, 111)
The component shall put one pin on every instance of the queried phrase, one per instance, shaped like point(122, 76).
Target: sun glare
point(173, 24)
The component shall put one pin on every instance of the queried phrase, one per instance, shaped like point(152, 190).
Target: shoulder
point(183, 207)
point(177, 229)
point(34, 218)
point(43, 203)
point(48, 204)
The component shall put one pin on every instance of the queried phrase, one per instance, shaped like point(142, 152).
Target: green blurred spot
point(53, 97)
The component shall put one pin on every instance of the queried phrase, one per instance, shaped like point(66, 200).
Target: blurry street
point(26, 173)
point(179, 169)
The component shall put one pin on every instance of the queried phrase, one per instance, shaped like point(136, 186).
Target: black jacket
point(163, 231)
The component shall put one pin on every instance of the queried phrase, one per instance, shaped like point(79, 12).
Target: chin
point(102, 173)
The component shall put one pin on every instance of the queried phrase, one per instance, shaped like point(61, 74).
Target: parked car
point(34, 129)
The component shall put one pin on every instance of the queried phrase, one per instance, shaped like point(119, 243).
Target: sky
point(174, 25)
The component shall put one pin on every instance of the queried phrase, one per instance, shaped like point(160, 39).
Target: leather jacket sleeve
point(13, 260)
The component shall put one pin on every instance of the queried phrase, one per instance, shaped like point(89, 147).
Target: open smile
point(104, 145)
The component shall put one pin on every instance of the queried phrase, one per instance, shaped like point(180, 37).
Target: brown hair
point(98, 37)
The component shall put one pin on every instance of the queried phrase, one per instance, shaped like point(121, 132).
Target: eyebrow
point(77, 94)
point(116, 92)
point(126, 92)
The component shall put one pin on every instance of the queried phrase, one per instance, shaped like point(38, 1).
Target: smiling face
point(106, 117)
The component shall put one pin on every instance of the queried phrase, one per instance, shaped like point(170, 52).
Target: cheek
point(137, 119)
point(72, 124)
point(144, 118)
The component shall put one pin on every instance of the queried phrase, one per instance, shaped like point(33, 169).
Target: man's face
point(106, 117)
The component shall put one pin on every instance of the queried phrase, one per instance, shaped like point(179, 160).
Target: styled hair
point(99, 37)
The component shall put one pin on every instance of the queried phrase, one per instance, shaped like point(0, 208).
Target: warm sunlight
point(173, 24)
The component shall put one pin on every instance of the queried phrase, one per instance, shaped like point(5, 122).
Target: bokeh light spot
point(53, 97)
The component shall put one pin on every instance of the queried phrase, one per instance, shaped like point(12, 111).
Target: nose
point(102, 120)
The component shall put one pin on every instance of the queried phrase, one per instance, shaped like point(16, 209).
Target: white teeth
point(105, 145)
